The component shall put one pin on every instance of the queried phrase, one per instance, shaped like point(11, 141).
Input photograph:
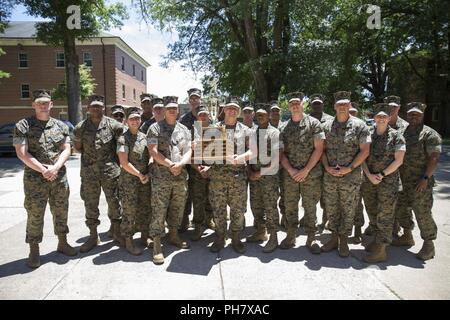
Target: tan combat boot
point(312, 244)
point(343, 249)
point(219, 243)
point(272, 244)
point(406, 240)
point(64, 248)
point(236, 242)
point(175, 239)
point(33, 258)
point(129, 245)
point(378, 254)
point(92, 241)
point(371, 246)
point(158, 257)
point(357, 238)
point(117, 235)
point(144, 238)
point(331, 244)
point(289, 241)
point(259, 235)
point(427, 251)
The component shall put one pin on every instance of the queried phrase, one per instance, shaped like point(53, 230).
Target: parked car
point(6, 139)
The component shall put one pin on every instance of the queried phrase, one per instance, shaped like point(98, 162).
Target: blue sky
point(151, 44)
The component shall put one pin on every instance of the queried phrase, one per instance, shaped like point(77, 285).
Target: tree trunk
point(72, 80)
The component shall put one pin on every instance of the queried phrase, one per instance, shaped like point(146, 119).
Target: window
point(123, 63)
point(123, 91)
point(60, 61)
point(87, 59)
point(142, 75)
point(134, 94)
point(23, 60)
point(134, 70)
point(25, 91)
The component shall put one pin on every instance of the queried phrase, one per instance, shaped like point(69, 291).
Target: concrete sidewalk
point(109, 272)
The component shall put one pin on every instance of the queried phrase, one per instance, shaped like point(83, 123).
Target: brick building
point(119, 72)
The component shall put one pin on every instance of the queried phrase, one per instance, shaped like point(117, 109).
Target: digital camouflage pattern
point(134, 195)
point(45, 141)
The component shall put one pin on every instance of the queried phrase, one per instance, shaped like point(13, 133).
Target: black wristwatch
point(425, 177)
point(382, 173)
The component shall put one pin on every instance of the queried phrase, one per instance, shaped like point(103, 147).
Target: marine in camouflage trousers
point(38, 191)
point(167, 202)
point(200, 199)
point(136, 204)
point(359, 212)
point(230, 189)
point(380, 203)
point(341, 195)
point(263, 201)
point(309, 191)
point(421, 203)
point(91, 185)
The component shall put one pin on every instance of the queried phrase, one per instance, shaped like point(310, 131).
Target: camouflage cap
point(416, 107)
point(233, 101)
point(202, 109)
point(248, 106)
point(157, 102)
point(133, 112)
point(117, 108)
point(274, 105)
point(96, 99)
point(147, 97)
point(194, 92)
point(316, 97)
point(263, 108)
point(297, 95)
point(392, 100)
point(42, 95)
point(382, 109)
point(342, 97)
point(170, 101)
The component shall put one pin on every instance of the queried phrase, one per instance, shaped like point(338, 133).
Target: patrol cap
point(194, 92)
point(133, 112)
point(117, 108)
point(342, 97)
point(96, 99)
point(233, 101)
point(202, 109)
point(42, 95)
point(416, 107)
point(317, 97)
point(263, 108)
point(382, 109)
point(170, 101)
point(392, 100)
point(157, 102)
point(147, 97)
point(248, 106)
point(295, 96)
point(274, 105)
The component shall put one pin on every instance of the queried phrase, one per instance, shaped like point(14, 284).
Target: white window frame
point(92, 59)
point(19, 60)
point(56, 60)
point(21, 91)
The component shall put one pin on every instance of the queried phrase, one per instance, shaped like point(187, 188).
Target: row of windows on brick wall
point(60, 59)
point(124, 93)
point(122, 67)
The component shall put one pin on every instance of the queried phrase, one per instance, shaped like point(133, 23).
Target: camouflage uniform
point(168, 191)
point(380, 199)
point(44, 140)
point(419, 145)
point(100, 167)
point(134, 195)
point(228, 185)
point(146, 124)
point(298, 142)
point(264, 192)
point(341, 193)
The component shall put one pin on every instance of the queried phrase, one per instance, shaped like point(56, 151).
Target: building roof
point(22, 30)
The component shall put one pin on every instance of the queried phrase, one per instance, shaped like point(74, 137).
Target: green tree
point(87, 85)
point(94, 16)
